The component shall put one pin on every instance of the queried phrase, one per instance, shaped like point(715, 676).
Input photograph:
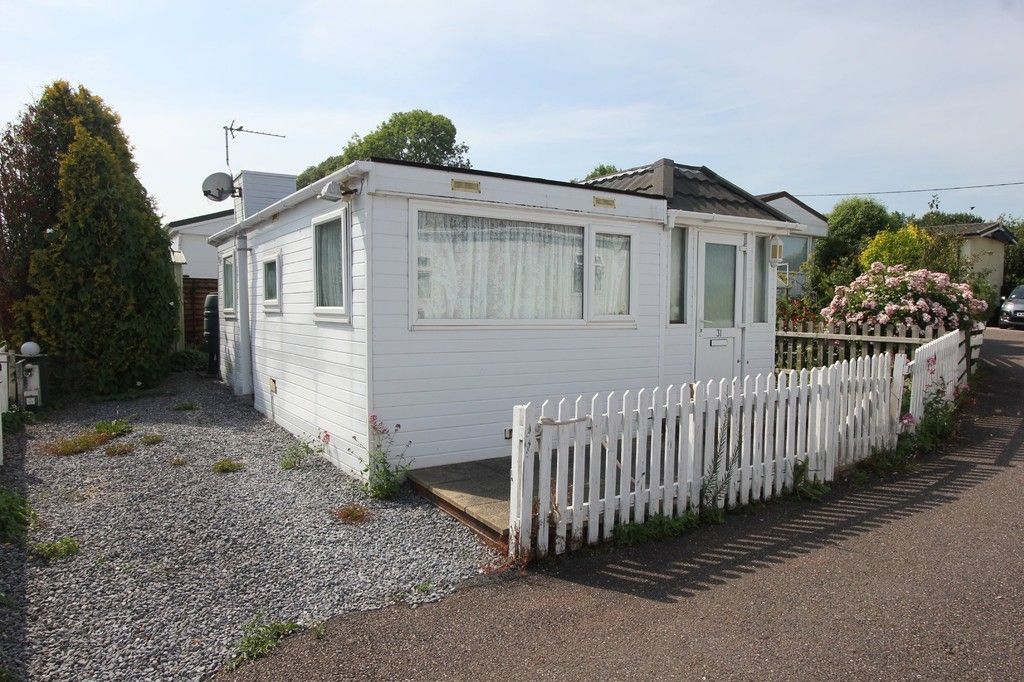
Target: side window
point(329, 244)
point(761, 279)
point(677, 277)
point(229, 283)
point(272, 281)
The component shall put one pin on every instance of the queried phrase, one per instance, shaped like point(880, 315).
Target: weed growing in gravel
point(83, 442)
point(296, 454)
point(152, 439)
point(657, 527)
point(113, 428)
point(351, 513)
point(423, 587)
point(227, 466)
point(319, 629)
point(15, 516)
point(258, 639)
point(185, 407)
point(119, 449)
point(177, 461)
point(385, 470)
point(56, 550)
point(15, 419)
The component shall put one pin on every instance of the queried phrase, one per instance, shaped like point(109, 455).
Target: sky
point(812, 97)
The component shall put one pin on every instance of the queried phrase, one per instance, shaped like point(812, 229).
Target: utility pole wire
point(911, 191)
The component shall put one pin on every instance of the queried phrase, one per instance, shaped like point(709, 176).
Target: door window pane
point(495, 269)
point(677, 277)
point(719, 285)
point(229, 282)
point(611, 274)
point(270, 280)
point(330, 292)
point(761, 280)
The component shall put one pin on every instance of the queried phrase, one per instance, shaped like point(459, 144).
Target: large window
point(476, 268)
point(761, 279)
point(495, 269)
point(229, 283)
point(329, 245)
point(677, 277)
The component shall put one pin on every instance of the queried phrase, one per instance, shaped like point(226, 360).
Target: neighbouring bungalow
point(985, 245)
point(797, 247)
point(440, 298)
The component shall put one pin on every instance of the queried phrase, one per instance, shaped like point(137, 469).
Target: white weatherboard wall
point(200, 256)
point(318, 365)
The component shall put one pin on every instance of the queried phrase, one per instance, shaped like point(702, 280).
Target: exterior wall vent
point(604, 202)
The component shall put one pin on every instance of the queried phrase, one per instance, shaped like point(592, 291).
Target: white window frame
point(769, 281)
point(271, 305)
point(229, 311)
point(590, 228)
point(333, 313)
point(589, 282)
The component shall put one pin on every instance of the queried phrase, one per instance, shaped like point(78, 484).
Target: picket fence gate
point(939, 368)
point(581, 466)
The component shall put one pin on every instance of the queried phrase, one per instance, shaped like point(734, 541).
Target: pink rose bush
point(892, 295)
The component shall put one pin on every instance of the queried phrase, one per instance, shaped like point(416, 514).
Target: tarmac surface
point(917, 576)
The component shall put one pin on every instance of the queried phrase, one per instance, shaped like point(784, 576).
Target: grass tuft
point(227, 466)
point(113, 428)
point(185, 407)
point(423, 587)
point(657, 527)
point(258, 639)
point(351, 513)
point(16, 516)
point(57, 550)
point(152, 439)
point(119, 449)
point(83, 442)
point(177, 461)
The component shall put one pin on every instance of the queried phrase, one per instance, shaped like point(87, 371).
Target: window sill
point(271, 307)
point(331, 315)
point(229, 313)
point(526, 326)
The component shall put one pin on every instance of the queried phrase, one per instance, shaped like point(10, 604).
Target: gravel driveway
point(175, 559)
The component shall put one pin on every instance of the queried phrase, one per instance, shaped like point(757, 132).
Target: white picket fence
point(581, 466)
point(938, 366)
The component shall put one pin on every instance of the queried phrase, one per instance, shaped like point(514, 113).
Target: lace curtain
point(611, 275)
point(473, 268)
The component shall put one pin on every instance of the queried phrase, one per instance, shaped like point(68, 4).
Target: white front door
point(719, 306)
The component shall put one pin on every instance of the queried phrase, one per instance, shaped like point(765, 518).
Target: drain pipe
point(243, 357)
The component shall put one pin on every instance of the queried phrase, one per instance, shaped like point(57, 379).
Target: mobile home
point(439, 298)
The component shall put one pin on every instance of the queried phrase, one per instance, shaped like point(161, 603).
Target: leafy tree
point(30, 152)
point(851, 224)
point(601, 169)
point(105, 301)
point(910, 246)
point(416, 135)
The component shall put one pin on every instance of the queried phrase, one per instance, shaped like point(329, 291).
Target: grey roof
point(199, 218)
point(993, 230)
point(691, 188)
point(772, 196)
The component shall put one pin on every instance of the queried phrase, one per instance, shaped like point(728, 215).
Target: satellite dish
point(218, 187)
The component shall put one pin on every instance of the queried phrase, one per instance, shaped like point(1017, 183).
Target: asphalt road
point(920, 576)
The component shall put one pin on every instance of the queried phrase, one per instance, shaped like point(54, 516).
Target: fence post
point(521, 496)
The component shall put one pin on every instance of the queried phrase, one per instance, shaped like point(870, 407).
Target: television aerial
point(231, 131)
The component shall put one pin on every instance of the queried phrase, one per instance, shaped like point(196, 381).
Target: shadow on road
point(990, 440)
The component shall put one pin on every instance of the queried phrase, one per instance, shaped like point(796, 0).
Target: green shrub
point(15, 419)
point(189, 359)
point(258, 639)
point(227, 466)
point(113, 428)
point(656, 527)
point(152, 439)
point(15, 516)
point(55, 551)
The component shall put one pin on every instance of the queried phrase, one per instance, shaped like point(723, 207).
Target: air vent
point(465, 185)
point(604, 202)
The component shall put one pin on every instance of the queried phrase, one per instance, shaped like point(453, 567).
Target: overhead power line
point(911, 191)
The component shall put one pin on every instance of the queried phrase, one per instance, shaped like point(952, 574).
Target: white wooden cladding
point(5, 378)
point(648, 452)
point(939, 366)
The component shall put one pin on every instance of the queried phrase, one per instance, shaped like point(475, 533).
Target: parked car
point(1011, 312)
